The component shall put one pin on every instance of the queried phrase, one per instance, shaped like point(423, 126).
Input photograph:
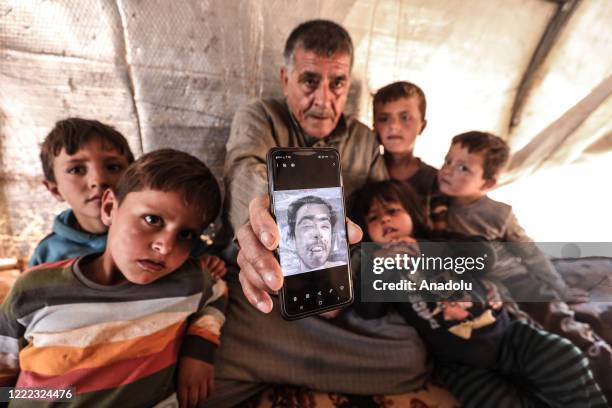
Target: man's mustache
point(320, 113)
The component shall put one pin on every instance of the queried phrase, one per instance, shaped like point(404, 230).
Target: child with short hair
point(114, 325)
point(482, 355)
point(399, 118)
point(471, 168)
point(80, 159)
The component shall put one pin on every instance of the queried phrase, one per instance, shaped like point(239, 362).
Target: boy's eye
point(463, 167)
point(405, 117)
point(371, 218)
point(382, 119)
point(187, 235)
point(114, 168)
point(153, 220)
point(79, 170)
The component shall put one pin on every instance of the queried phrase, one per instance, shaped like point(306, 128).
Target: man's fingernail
point(263, 306)
point(269, 277)
point(266, 238)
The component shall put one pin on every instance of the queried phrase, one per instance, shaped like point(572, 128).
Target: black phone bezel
point(283, 297)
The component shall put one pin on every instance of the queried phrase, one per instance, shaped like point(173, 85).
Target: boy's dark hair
point(495, 150)
point(172, 170)
point(389, 191)
point(398, 90)
point(72, 134)
point(295, 206)
point(323, 37)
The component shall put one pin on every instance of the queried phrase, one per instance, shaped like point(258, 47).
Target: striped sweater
point(117, 345)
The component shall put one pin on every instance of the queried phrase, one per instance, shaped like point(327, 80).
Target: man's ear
point(284, 77)
point(108, 207)
point(291, 244)
point(489, 184)
point(52, 187)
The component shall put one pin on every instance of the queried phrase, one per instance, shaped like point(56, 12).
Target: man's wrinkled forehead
point(315, 217)
point(339, 63)
point(311, 212)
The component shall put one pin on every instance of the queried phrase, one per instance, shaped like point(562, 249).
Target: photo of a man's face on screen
point(311, 220)
point(312, 233)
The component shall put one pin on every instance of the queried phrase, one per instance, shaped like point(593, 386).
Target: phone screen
point(308, 203)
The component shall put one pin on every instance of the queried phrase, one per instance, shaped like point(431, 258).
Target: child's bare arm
point(532, 257)
point(195, 368)
point(195, 381)
point(214, 264)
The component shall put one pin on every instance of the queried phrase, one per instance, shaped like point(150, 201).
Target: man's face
point(81, 178)
point(398, 123)
point(316, 89)
point(150, 234)
point(313, 233)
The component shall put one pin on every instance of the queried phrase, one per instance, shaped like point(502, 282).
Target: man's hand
point(260, 272)
point(214, 264)
point(575, 296)
point(195, 381)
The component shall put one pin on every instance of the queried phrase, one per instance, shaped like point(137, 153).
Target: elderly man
point(343, 355)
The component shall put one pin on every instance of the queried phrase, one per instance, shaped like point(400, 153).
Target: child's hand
point(331, 314)
point(494, 299)
point(404, 239)
point(195, 381)
point(576, 295)
point(214, 264)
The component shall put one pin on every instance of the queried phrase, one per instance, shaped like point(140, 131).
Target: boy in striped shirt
point(115, 325)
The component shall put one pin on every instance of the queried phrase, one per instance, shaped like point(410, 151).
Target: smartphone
point(307, 201)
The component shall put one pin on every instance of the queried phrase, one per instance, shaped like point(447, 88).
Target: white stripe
point(9, 345)
point(212, 320)
point(218, 290)
point(9, 361)
point(109, 331)
point(60, 318)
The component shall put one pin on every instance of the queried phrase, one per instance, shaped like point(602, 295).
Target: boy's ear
point(489, 184)
point(52, 187)
point(108, 207)
point(424, 126)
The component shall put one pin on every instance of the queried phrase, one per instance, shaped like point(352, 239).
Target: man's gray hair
point(323, 37)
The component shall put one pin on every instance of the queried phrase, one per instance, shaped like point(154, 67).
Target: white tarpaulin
point(173, 73)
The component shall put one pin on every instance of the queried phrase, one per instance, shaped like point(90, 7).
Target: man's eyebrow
point(312, 217)
point(309, 75)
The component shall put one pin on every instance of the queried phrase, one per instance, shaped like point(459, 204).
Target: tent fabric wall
point(171, 74)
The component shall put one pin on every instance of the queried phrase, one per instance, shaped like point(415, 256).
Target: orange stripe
point(204, 333)
point(58, 360)
point(52, 265)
